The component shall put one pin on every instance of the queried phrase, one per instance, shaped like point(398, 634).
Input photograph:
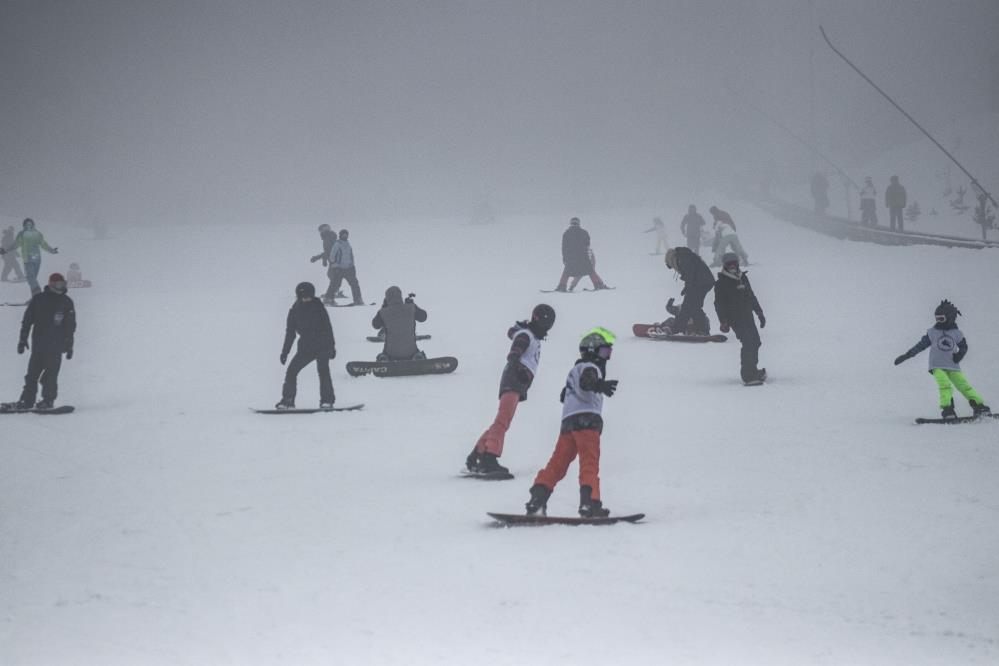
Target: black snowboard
point(429, 366)
point(511, 519)
point(351, 408)
point(486, 476)
point(10, 408)
point(961, 419)
point(375, 338)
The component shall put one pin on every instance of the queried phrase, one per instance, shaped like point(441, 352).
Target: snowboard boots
point(948, 411)
point(979, 409)
point(44, 404)
point(489, 464)
point(590, 508)
point(472, 462)
point(285, 404)
point(538, 504)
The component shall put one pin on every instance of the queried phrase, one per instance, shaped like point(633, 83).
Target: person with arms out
point(31, 243)
point(518, 375)
point(948, 347)
point(308, 320)
point(662, 240)
point(691, 226)
point(399, 318)
point(726, 237)
point(895, 201)
point(576, 257)
point(582, 424)
point(51, 320)
point(10, 262)
point(735, 305)
point(697, 282)
point(868, 204)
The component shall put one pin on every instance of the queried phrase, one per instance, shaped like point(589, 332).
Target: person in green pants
point(947, 346)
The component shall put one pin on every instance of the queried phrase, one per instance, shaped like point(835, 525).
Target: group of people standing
point(724, 237)
point(895, 202)
point(29, 242)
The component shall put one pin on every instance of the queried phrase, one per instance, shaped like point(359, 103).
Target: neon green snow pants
point(948, 380)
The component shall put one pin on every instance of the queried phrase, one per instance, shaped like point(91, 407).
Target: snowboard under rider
point(51, 321)
point(518, 375)
point(948, 347)
point(582, 423)
point(309, 320)
point(398, 318)
point(735, 305)
point(576, 257)
point(697, 282)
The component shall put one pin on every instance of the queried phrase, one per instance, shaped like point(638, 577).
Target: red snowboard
point(652, 331)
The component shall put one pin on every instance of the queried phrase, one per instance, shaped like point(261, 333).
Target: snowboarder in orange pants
point(582, 422)
point(521, 366)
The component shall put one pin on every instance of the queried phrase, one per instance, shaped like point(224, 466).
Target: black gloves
point(561, 396)
point(333, 352)
point(725, 328)
point(672, 309)
point(55, 250)
point(410, 298)
point(21, 346)
point(763, 320)
point(69, 353)
point(903, 357)
point(607, 387)
point(284, 357)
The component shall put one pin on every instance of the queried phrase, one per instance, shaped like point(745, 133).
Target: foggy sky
point(138, 111)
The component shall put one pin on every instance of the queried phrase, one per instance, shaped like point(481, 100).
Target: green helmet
point(595, 339)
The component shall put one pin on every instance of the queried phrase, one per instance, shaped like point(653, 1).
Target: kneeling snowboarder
point(582, 422)
point(309, 320)
point(518, 375)
point(735, 304)
point(697, 282)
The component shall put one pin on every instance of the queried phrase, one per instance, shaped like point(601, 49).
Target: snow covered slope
point(803, 522)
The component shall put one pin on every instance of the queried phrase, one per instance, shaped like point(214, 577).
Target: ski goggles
point(940, 318)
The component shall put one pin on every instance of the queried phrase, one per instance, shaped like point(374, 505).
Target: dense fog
point(236, 110)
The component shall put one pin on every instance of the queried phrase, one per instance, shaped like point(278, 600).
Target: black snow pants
point(43, 365)
point(299, 361)
point(338, 275)
point(749, 336)
point(693, 308)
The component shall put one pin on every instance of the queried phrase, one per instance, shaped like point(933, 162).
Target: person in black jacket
point(309, 320)
point(328, 236)
point(576, 257)
point(697, 282)
point(735, 304)
point(51, 320)
point(690, 227)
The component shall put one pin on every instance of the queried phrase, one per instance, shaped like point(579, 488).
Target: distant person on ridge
point(868, 204)
point(399, 318)
point(820, 192)
point(691, 226)
point(895, 201)
point(576, 257)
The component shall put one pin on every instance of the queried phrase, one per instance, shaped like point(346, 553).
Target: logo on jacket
point(946, 344)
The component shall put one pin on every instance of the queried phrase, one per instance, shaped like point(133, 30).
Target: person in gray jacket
point(399, 318)
point(342, 268)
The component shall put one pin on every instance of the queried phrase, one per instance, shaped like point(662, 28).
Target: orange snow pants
point(585, 444)
point(492, 439)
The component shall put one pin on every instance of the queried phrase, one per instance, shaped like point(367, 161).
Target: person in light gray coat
point(399, 318)
point(342, 267)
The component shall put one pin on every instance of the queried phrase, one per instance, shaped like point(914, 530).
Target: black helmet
point(948, 311)
point(27, 221)
point(305, 290)
point(542, 318)
point(344, 234)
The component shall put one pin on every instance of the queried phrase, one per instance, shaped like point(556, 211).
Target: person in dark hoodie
point(51, 320)
point(697, 282)
point(399, 318)
point(518, 374)
point(328, 238)
point(948, 347)
point(735, 304)
point(309, 320)
point(576, 257)
point(691, 226)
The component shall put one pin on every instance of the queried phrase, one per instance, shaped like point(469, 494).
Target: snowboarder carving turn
point(948, 347)
point(697, 282)
point(518, 375)
point(51, 321)
point(735, 304)
point(576, 257)
point(309, 320)
point(582, 423)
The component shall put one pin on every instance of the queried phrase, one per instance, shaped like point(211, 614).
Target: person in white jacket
point(868, 204)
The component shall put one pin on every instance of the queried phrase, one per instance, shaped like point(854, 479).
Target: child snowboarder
point(582, 404)
point(521, 367)
point(947, 347)
point(735, 304)
point(309, 320)
point(51, 320)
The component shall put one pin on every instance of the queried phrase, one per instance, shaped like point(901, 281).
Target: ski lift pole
point(974, 181)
